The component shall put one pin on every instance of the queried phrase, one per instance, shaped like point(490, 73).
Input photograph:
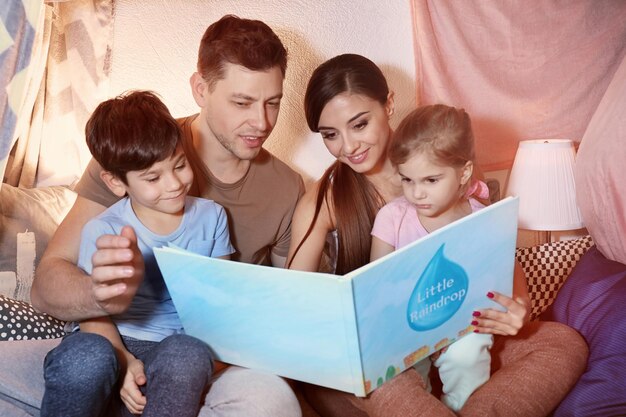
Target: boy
point(138, 145)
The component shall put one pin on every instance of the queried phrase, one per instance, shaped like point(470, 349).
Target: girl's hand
point(134, 377)
point(508, 322)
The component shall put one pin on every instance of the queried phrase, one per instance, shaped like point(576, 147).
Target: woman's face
point(356, 130)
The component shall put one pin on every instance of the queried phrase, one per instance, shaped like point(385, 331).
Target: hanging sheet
point(600, 171)
point(522, 69)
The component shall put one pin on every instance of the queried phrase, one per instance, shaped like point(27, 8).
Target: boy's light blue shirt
point(203, 230)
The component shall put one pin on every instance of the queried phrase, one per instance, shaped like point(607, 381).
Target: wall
point(155, 47)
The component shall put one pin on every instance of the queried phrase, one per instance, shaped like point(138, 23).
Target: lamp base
point(548, 236)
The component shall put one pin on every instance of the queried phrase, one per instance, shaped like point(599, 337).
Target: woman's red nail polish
point(474, 323)
point(490, 294)
point(476, 314)
point(476, 331)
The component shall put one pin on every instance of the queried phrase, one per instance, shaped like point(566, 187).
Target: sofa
point(38, 211)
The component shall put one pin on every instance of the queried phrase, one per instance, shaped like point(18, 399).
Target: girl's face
point(356, 131)
point(434, 189)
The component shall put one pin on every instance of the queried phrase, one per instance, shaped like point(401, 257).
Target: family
point(203, 182)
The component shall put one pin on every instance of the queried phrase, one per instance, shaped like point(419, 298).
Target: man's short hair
point(131, 132)
point(249, 43)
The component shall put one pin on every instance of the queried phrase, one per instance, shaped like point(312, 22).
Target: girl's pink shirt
point(398, 225)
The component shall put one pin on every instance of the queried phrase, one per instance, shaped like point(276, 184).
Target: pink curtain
point(21, 48)
point(601, 170)
point(72, 78)
point(522, 69)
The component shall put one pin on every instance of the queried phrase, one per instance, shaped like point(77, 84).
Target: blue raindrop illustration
point(438, 293)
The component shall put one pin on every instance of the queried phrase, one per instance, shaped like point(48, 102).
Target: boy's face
point(161, 188)
point(241, 109)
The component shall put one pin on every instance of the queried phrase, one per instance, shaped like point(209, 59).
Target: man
point(238, 86)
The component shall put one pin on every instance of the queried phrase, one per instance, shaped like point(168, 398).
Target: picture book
point(352, 332)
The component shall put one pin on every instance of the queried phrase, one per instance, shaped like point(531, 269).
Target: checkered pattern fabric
point(547, 266)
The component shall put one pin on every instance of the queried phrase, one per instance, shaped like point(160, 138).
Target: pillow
point(28, 219)
point(592, 302)
point(547, 267)
point(19, 321)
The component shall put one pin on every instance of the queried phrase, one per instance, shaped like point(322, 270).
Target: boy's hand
point(118, 270)
point(508, 322)
point(130, 393)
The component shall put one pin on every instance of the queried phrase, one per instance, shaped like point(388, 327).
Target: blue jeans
point(82, 373)
point(235, 392)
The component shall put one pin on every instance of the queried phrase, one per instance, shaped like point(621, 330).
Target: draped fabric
point(70, 79)
point(19, 41)
point(522, 69)
point(601, 169)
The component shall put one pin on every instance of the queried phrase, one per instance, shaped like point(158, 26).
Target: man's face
point(240, 110)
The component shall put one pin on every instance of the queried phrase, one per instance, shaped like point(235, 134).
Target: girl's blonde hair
point(443, 132)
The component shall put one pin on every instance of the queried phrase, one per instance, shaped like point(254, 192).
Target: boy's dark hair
point(131, 132)
point(249, 43)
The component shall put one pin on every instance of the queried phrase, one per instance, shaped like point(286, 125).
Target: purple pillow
point(591, 301)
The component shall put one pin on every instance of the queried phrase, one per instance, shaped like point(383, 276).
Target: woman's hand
point(507, 322)
point(130, 393)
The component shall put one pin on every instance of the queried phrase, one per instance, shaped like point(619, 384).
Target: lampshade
point(543, 178)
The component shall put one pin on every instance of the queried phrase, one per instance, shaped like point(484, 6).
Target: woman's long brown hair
point(353, 197)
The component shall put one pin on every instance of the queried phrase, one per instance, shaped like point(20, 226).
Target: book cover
point(353, 332)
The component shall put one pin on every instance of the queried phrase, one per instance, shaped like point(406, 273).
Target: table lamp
point(543, 178)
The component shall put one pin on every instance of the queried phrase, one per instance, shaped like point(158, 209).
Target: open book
point(351, 332)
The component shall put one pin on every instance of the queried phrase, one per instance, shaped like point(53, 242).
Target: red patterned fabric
point(547, 267)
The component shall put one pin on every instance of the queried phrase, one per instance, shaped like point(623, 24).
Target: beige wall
point(155, 47)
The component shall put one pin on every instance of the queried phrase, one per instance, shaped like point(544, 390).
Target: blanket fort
point(352, 332)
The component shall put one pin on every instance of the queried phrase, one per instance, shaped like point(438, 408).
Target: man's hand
point(118, 270)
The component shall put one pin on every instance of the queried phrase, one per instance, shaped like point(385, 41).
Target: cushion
point(591, 301)
point(19, 321)
point(28, 219)
point(547, 267)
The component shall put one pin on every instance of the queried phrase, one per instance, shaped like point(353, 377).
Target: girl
point(433, 150)
point(348, 101)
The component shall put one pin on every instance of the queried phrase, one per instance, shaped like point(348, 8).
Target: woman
point(349, 103)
